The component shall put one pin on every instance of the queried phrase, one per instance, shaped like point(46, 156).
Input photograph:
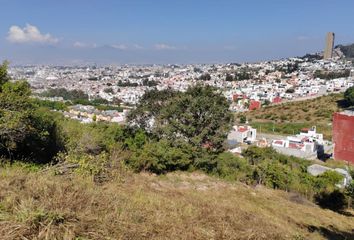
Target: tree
point(205, 77)
point(200, 116)
point(4, 77)
point(243, 119)
point(25, 131)
point(349, 96)
point(229, 78)
point(15, 115)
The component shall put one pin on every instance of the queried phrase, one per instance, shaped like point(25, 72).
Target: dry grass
point(40, 205)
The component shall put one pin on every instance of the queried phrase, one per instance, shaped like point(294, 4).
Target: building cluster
point(88, 114)
point(247, 86)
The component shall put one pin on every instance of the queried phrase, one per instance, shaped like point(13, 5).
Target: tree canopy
point(200, 116)
point(25, 131)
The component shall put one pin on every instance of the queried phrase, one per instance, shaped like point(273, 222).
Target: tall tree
point(25, 131)
point(200, 116)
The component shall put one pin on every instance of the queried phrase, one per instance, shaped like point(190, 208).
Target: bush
point(349, 96)
point(231, 167)
point(160, 157)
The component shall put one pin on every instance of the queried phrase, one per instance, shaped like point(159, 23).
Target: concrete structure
point(316, 170)
point(242, 134)
point(328, 52)
point(343, 135)
point(304, 145)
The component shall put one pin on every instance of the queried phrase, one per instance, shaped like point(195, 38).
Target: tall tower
point(328, 52)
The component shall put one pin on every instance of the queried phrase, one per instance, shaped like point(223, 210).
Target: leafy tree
point(4, 77)
point(229, 77)
point(149, 108)
point(243, 119)
point(200, 116)
point(290, 90)
point(205, 77)
point(15, 115)
point(25, 132)
point(349, 96)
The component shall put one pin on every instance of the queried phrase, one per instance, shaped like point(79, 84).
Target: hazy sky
point(168, 31)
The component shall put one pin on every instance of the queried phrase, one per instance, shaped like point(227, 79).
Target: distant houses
point(88, 114)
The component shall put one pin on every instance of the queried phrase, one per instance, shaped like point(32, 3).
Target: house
point(277, 100)
point(241, 134)
point(343, 135)
point(304, 145)
point(254, 105)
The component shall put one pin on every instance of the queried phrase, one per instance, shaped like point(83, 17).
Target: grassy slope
point(289, 118)
point(39, 205)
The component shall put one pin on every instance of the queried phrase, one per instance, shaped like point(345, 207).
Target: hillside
point(291, 117)
point(347, 50)
point(42, 205)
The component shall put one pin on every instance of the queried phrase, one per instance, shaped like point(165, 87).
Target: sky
point(70, 32)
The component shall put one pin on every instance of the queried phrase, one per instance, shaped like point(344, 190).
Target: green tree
point(15, 115)
point(349, 96)
point(4, 77)
point(200, 116)
point(229, 78)
point(25, 131)
point(243, 119)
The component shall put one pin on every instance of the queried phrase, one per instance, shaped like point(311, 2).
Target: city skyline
point(139, 32)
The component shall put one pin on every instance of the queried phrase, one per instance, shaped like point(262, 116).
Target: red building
point(254, 105)
point(277, 100)
point(343, 136)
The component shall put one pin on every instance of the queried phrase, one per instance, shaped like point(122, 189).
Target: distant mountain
point(347, 50)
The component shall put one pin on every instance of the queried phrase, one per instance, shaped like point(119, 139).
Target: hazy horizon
point(161, 32)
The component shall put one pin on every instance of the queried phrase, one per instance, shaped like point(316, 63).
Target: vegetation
point(168, 131)
point(199, 117)
point(290, 118)
point(26, 132)
point(349, 96)
point(347, 50)
point(205, 77)
point(73, 95)
point(331, 75)
point(47, 205)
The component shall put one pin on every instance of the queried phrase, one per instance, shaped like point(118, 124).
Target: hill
point(44, 205)
point(347, 50)
point(291, 117)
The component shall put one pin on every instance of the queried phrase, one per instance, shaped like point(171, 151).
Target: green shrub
point(231, 167)
point(160, 157)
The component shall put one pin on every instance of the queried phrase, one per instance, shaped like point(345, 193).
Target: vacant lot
point(42, 205)
point(290, 118)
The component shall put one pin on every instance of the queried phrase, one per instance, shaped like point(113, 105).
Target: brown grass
point(40, 205)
